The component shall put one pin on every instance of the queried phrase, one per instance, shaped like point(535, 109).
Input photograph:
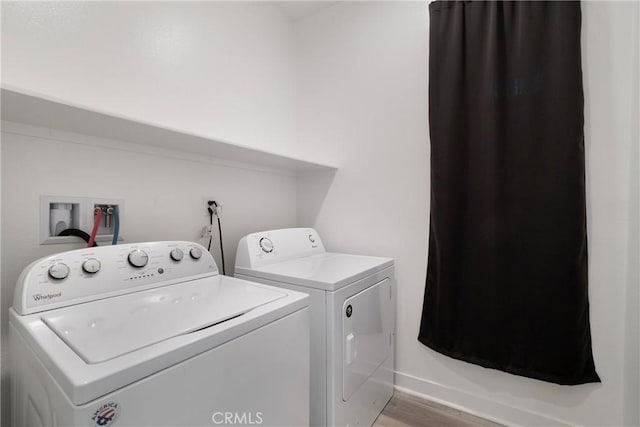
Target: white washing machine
point(150, 334)
point(352, 319)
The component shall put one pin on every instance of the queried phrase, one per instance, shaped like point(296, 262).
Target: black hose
point(213, 208)
point(210, 231)
point(78, 233)
point(221, 250)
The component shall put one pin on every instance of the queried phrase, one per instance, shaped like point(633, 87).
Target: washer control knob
point(176, 254)
point(91, 266)
point(59, 271)
point(138, 258)
point(195, 253)
point(266, 245)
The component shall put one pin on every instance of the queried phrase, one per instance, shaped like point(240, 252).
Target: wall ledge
point(22, 106)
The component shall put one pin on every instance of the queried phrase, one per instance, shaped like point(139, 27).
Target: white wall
point(632, 353)
point(362, 100)
point(610, 71)
point(219, 69)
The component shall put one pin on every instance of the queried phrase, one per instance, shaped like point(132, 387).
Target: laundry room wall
point(632, 353)
point(362, 102)
point(218, 69)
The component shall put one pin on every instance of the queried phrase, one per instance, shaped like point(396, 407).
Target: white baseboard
point(473, 404)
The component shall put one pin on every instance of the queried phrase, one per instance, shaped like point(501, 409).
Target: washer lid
point(105, 329)
point(328, 271)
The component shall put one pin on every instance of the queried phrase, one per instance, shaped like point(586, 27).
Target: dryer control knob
point(91, 266)
point(138, 258)
point(266, 245)
point(59, 271)
point(195, 253)
point(176, 254)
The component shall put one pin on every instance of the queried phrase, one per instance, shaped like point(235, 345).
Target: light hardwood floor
point(404, 410)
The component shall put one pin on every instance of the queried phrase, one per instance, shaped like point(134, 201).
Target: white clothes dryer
point(352, 319)
point(150, 334)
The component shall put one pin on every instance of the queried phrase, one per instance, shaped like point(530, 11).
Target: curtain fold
point(506, 285)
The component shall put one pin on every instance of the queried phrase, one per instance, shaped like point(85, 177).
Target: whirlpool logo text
point(43, 297)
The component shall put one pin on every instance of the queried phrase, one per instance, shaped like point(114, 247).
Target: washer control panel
point(268, 247)
point(104, 271)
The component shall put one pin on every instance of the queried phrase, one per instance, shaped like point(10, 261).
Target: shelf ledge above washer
point(32, 109)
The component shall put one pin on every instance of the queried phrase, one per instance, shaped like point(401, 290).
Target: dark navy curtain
point(506, 286)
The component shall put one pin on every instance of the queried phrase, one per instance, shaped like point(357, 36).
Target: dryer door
point(366, 333)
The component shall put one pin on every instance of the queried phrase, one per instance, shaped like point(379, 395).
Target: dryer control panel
point(105, 271)
point(269, 247)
